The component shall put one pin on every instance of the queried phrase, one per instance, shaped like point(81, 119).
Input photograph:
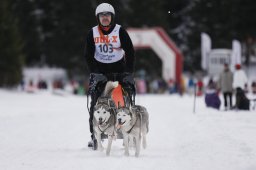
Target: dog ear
point(119, 106)
point(109, 104)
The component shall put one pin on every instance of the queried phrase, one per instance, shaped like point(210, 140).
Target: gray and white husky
point(133, 123)
point(104, 117)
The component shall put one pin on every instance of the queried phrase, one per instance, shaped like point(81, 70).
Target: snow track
point(42, 131)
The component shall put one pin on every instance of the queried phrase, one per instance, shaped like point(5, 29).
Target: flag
point(236, 53)
point(206, 46)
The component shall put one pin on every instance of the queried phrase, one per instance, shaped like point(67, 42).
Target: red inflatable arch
point(158, 40)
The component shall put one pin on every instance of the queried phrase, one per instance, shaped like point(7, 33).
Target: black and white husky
point(104, 117)
point(133, 123)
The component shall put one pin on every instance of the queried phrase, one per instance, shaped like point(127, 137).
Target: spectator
point(172, 86)
point(225, 85)
point(190, 85)
point(240, 78)
point(253, 87)
point(58, 84)
point(200, 86)
point(42, 84)
point(239, 83)
point(182, 86)
point(154, 86)
point(162, 85)
point(211, 95)
point(81, 88)
point(142, 86)
point(22, 85)
point(242, 102)
point(31, 87)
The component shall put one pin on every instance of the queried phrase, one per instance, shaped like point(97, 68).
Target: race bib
point(107, 47)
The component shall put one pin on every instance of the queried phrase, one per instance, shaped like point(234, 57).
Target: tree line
point(52, 32)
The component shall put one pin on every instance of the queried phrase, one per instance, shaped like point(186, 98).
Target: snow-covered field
point(43, 131)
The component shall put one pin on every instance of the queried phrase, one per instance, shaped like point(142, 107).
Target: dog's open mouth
point(101, 121)
point(121, 123)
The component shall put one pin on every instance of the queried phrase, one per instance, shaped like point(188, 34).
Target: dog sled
point(123, 95)
point(116, 115)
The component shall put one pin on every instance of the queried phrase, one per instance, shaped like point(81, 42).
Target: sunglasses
point(107, 14)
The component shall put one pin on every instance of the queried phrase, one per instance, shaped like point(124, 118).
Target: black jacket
point(124, 65)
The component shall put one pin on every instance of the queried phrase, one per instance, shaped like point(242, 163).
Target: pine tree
point(11, 58)
point(64, 27)
point(213, 17)
point(148, 13)
point(27, 15)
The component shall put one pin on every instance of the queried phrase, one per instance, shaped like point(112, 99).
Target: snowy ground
point(49, 132)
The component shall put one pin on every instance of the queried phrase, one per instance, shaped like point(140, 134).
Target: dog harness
point(129, 131)
point(138, 110)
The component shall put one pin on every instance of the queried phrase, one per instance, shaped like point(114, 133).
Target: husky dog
point(104, 117)
point(133, 123)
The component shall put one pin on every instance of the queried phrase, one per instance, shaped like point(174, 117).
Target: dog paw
point(144, 145)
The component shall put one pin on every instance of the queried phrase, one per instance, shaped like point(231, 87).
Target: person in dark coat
point(242, 102)
point(253, 86)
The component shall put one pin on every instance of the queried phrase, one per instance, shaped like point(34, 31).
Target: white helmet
point(104, 7)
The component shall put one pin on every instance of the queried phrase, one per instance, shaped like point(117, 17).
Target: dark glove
point(128, 78)
point(95, 78)
point(129, 87)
